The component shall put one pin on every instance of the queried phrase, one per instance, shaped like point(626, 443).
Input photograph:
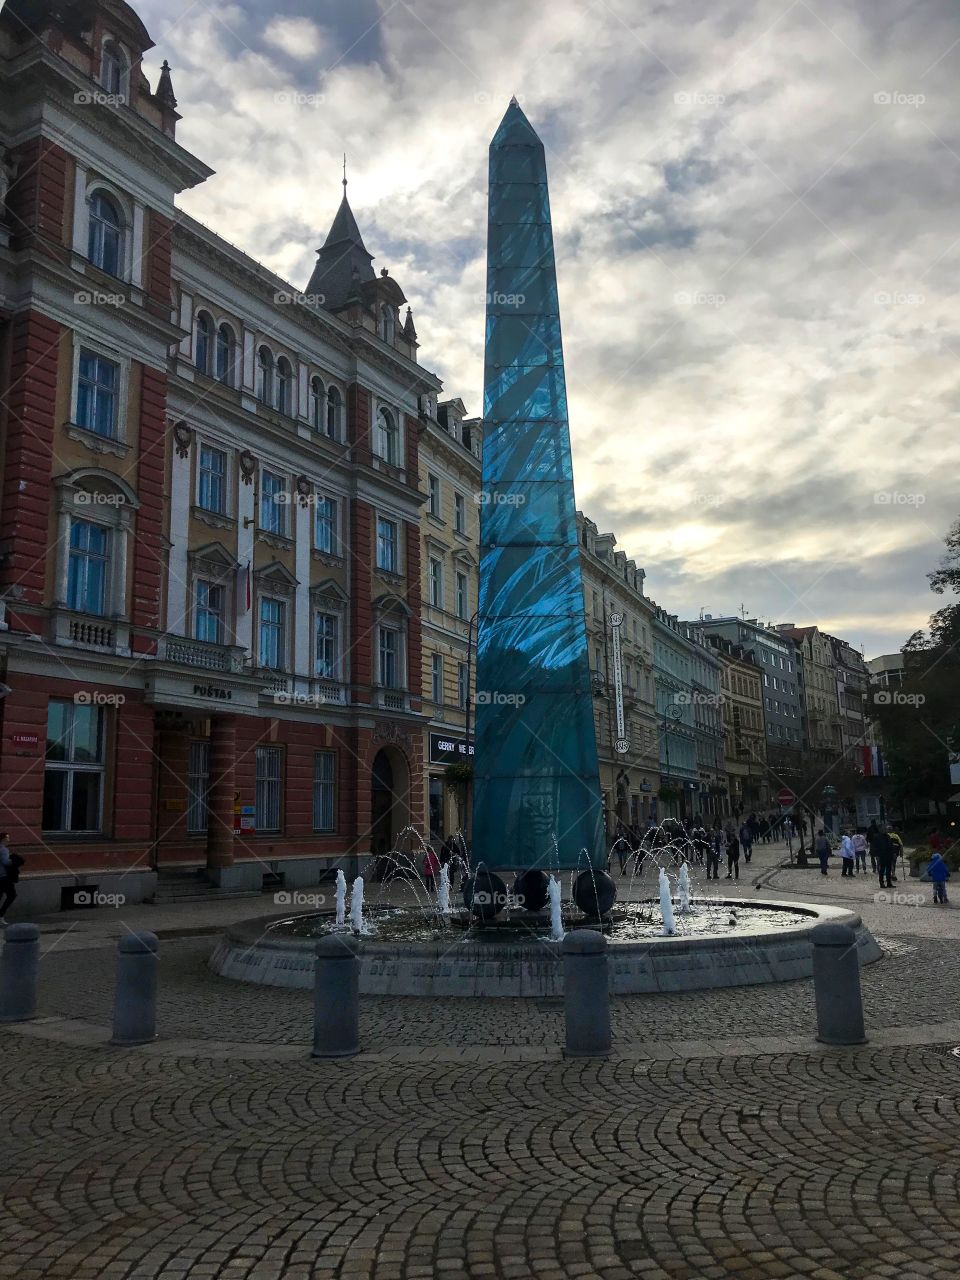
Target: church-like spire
point(165, 95)
point(343, 263)
point(409, 331)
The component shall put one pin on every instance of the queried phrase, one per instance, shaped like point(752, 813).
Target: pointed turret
point(165, 95)
point(409, 331)
point(343, 264)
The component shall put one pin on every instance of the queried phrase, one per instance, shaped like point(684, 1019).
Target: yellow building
point(449, 456)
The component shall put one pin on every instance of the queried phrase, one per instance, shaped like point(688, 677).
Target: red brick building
point(209, 532)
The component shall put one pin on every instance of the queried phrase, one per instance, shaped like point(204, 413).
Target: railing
point(330, 691)
point(391, 699)
point(96, 634)
point(200, 654)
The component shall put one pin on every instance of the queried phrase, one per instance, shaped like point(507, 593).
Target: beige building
point(818, 670)
point(745, 742)
point(449, 453)
point(613, 585)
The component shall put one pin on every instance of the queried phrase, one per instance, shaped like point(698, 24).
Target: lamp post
point(467, 790)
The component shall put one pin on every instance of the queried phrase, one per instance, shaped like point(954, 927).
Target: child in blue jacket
point(939, 873)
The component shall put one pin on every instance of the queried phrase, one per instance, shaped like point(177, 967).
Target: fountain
point(666, 905)
point(341, 898)
point(556, 918)
point(683, 889)
point(443, 892)
point(356, 906)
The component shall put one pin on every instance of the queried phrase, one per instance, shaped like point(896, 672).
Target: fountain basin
point(500, 964)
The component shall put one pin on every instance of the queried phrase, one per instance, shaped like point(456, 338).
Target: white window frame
point(436, 679)
point(435, 581)
point(233, 371)
point(379, 435)
point(459, 513)
point(282, 507)
point(463, 595)
point(283, 656)
point(214, 448)
point(80, 345)
point(335, 615)
point(398, 556)
point(335, 544)
point(434, 508)
point(70, 767)
point(399, 631)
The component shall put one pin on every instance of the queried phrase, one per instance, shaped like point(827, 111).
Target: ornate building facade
point(210, 533)
point(613, 587)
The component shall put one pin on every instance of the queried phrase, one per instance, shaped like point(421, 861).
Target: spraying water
point(683, 886)
point(341, 895)
point(666, 906)
point(556, 919)
point(443, 892)
point(356, 905)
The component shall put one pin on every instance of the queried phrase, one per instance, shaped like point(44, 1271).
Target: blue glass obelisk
point(537, 800)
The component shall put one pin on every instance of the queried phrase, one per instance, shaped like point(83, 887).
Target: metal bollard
point(586, 994)
point(18, 973)
point(135, 997)
point(336, 997)
point(836, 983)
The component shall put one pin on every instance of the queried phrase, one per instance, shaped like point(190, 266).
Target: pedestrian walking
point(847, 855)
point(788, 832)
point(860, 852)
point(431, 868)
point(883, 850)
point(939, 873)
point(872, 832)
point(746, 841)
point(714, 846)
point(10, 864)
point(822, 850)
point(733, 853)
point(896, 845)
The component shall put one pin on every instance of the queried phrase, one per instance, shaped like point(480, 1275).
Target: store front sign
point(447, 750)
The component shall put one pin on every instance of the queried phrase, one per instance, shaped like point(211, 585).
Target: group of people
point(449, 855)
point(880, 841)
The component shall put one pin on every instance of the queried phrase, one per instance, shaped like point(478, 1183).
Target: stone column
point(223, 755)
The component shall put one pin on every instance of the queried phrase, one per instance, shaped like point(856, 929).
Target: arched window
point(265, 376)
point(388, 438)
point(226, 355)
point(333, 413)
point(204, 345)
point(284, 386)
point(105, 237)
point(317, 403)
point(113, 69)
point(387, 323)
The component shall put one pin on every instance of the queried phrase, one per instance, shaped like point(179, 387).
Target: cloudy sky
point(754, 207)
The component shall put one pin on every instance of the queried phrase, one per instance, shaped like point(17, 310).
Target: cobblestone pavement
point(435, 1155)
point(838, 1166)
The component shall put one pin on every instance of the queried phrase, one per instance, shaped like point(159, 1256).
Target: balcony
point(201, 655)
point(390, 699)
point(88, 631)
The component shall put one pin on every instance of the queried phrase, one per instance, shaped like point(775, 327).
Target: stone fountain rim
point(255, 932)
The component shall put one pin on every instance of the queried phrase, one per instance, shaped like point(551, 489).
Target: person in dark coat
point(822, 849)
point(714, 847)
point(733, 852)
point(883, 850)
